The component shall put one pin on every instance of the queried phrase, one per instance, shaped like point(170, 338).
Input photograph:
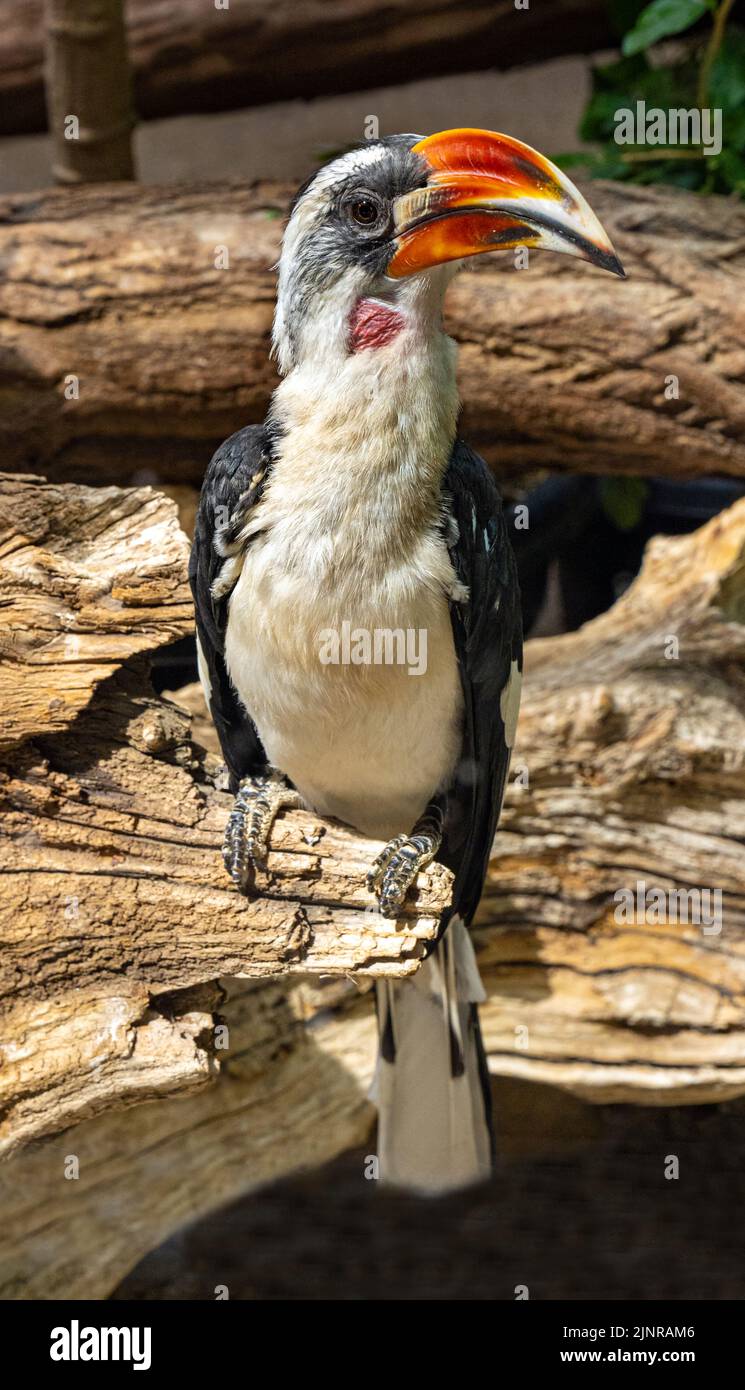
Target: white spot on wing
point(509, 704)
point(204, 675)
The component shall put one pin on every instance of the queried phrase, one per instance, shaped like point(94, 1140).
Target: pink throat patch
point(373, 324)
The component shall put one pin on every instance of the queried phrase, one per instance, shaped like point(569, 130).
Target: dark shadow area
point(593, 532)
point(579, 1208)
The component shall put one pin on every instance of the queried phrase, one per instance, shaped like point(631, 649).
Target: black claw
point(395, 870)
point(245, 844)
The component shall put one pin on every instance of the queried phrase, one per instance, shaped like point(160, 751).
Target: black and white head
point(374, 237)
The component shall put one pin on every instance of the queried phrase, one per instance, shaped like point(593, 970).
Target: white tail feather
point(433, 1132)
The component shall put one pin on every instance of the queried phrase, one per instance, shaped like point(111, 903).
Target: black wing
point(232, 486)
point(488, 641)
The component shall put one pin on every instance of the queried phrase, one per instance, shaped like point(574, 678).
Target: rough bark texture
point(87, 80)
point(117, 926)
point(88, 578)
point(636, 765)
point(115, 908)
point(190, 55)
point(126, 354)
point(288, 1097)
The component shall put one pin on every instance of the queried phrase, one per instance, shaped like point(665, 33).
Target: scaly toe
point(380, 864)
point(397, 880)
point(403, 861)
point(246, 842)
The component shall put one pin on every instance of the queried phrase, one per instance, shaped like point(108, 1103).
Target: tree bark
point(291, 1093)
point(188, 55)
point(114, 895)
point(113, 886)
point(88, 91)
point(632, 739)
point(117, 925)
point(127, 354)
point(88, 578)
point(116, 909)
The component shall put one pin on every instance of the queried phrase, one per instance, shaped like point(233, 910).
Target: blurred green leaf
point(573, 158)
point(661, 19)
point(730, 164)
point(618, 86)
point(623, 501)
point(624, 14)
point(597, 164)
point(727, 79)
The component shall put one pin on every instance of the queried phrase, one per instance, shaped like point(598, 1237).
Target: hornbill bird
point(355, 503)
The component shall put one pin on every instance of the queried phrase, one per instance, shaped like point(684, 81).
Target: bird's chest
point(346, 664)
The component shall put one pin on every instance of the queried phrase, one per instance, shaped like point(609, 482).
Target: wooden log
point(291, 1093)
point(116, 325)
point(116, 911)
point(632, 738)
point(88, 578)
point(112, 827)
point(634, 754)
point(191, 56)
point(115, 908)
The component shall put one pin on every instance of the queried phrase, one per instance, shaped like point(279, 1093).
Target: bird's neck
point(364, 442)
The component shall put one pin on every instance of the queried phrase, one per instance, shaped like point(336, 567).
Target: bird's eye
point(366, 211)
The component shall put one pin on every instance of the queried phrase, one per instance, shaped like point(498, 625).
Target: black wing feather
point(232, 486)
point(488, 637)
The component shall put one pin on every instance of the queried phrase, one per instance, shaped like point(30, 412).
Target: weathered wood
point(112, 829)
point(115, 907)
point(117, 325)
point(88, 91)
point(188, 55)
point(88, 577)
point(636, 774)
point(114, 894)
point(635, 765)
point(287, 1097)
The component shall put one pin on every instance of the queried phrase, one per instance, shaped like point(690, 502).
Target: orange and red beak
point(488, 192)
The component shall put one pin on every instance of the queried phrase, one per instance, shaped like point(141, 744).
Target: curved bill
point(488, 192)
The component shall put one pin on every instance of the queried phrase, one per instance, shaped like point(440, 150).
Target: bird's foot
point(396, 868)
point(257, 805)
